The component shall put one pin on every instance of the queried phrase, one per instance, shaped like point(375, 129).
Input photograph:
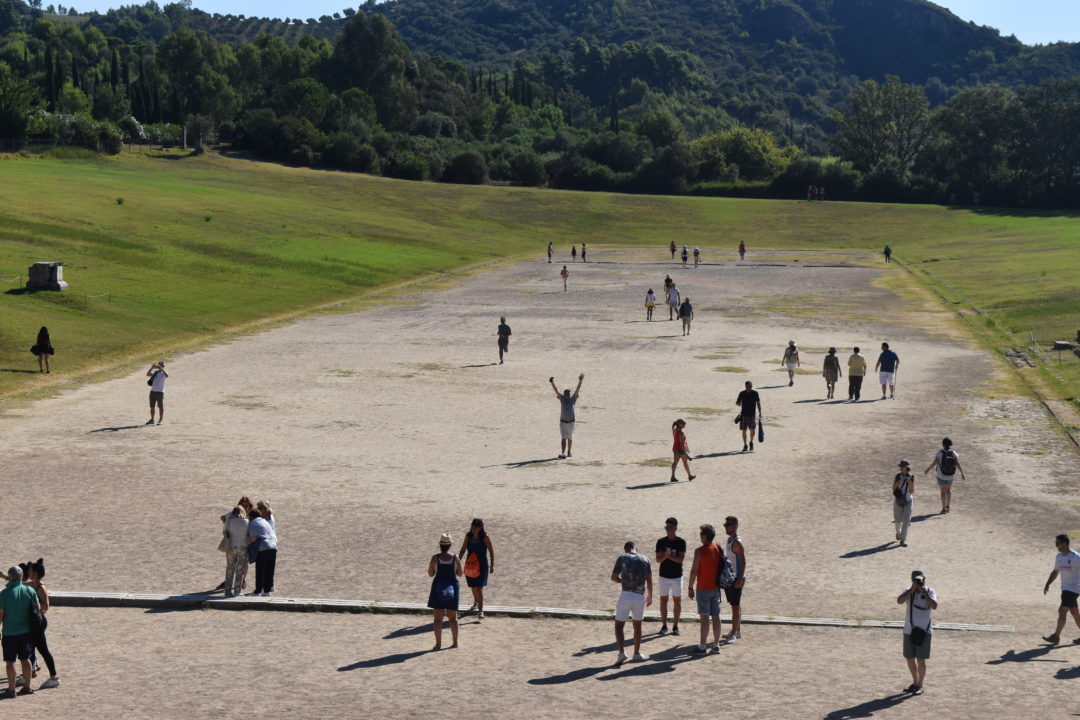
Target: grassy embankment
point(202, 244)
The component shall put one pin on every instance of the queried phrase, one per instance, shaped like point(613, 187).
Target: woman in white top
point(267, 514)
point(650, 303)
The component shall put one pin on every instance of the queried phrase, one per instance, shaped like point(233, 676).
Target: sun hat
point(904, 463)
point(445, 539)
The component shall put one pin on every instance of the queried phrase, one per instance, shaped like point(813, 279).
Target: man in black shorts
point(1067, 565)
point(736, 553)
point(750, 403)
point(504, 338)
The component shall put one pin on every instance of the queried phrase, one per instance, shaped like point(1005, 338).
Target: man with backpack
point(706, 567)
point(17, 603)
point(947, 463)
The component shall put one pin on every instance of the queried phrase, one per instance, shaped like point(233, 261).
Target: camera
point(920, 581)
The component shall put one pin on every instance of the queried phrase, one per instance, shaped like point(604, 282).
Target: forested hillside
point(710, 96)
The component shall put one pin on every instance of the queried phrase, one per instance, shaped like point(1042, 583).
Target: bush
point(671, 170)
point(467, 168)
point(404, 165)
point(526, 168)
point(574, 172)
point(434, 125)
point(345, 151)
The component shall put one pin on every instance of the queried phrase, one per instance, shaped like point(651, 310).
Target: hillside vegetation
point(190, 247)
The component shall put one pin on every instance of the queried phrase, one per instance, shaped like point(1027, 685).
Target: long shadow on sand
point(521, 463)
point(718, 454)
point(662, 662)
point(479, 366)
point(646, 486)
point(868, 708)
point(18, 370)
point(1068, 673)
point(927, 516)
point(1032, 655)
point(118, 428)
point(410, 631)
point(868, 551)
point(610, 647)
point(771, 387)
point(394, 659)
point(579, 674)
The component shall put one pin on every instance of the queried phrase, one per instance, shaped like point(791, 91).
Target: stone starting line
point(207, 601)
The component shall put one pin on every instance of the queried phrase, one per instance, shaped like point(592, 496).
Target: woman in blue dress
point(444, 570)
point(475, 551)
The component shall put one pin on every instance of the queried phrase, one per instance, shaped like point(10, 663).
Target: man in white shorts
point(888, 363)
point(670, 553)
point(634, 573)
point(567, 416)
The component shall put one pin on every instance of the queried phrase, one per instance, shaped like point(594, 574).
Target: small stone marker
point(46, 276)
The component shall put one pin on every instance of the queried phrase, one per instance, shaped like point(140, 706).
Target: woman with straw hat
point(444, 569)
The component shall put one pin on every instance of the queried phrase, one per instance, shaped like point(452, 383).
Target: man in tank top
point(736, 553)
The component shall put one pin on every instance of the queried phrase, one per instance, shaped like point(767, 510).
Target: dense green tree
point(17, 100)
point(882, 122)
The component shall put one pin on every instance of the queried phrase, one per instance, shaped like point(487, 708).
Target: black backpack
point(35, 617)
point(948, 462)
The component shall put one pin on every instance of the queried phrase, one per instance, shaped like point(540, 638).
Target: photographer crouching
point(918, 628)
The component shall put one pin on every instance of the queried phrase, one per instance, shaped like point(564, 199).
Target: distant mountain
point(777, 64)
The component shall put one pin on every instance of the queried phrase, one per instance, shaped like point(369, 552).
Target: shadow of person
point(610, 647)
point(1068, 673)
point(659, 663)
point(868, 708)
point(19, 370)
point(409, 631)
point(868, 551)
point(1034, 654)
point(521, 463)
point(394, 659)
point(572, 676)
point(118, 428)
point(481, 365)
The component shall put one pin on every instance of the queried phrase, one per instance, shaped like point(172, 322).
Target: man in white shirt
point(918, 628)
point(1067, 565)
point(157, 376)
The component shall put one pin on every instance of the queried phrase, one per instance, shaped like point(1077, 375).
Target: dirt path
point(205, 664)
point(371, 433)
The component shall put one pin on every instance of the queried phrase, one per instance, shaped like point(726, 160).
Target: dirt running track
point(371, 433)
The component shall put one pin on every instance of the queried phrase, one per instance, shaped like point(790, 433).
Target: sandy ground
point(371, 433)
point(203, 664)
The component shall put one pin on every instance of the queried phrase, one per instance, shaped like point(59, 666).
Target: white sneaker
point(50, 683)
point(621, 659)
point(19, 682)
point(268, 594)
point(738, 633)
point(638, 657)
point(730, 638)
point(716, 647)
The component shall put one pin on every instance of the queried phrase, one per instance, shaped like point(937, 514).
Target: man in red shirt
point(704, 571)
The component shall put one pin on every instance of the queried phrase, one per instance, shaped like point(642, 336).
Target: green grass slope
point(202, 244)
